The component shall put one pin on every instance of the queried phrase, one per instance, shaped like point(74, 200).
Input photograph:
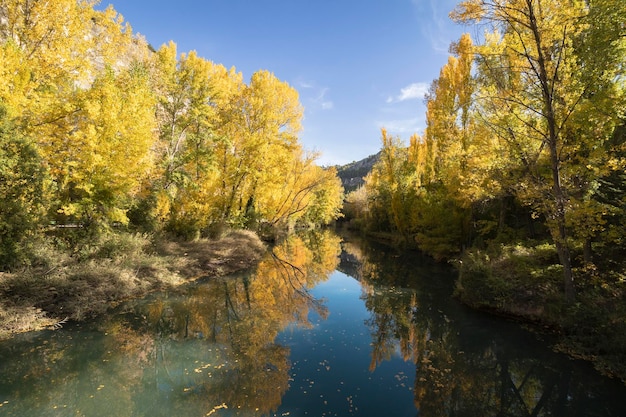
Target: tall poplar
point(543, 92)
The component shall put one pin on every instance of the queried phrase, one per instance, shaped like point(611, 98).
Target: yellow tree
point(53, 37)
point(72, 82)
point(63, 45)
point(393, 184)
point(328, 197)
point(539, 94)
point(192, 93)
point(460, 157)
point(300, 192)
point(105, 153)
point(260, 125)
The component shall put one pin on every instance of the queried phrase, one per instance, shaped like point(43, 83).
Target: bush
point(514, 279)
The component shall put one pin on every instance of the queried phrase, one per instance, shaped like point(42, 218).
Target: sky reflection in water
point(369, 333)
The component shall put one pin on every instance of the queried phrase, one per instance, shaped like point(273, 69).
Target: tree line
point(97, 129)
point(525, 143)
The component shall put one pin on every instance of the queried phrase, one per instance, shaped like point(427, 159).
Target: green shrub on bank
point(512, 279)
point(595, 326)
point(525, 282)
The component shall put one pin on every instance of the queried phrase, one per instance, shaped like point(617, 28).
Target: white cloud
point(410, 92)
point(305, 84)
point(413, 91)
point(322, 101)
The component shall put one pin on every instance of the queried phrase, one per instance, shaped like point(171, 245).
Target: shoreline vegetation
point(522, 282)
point(519, 178)
point(62, 286)
point(102, 135)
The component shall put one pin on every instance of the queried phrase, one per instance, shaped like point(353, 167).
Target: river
point(325, 326)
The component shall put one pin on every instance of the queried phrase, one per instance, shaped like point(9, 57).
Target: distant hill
point(352, 175)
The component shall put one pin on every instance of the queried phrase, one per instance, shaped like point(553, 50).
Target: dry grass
point(199, 258)
point(59, 286)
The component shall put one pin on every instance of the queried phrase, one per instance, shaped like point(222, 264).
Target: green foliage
point(23, 187)
point(515, 279)
point(439, 223)
point(595, 326)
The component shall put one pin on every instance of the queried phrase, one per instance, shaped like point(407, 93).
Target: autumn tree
point(260, 124)
point(104, 153)
point(448, 118)
point(391, 187)
point(178, 139)
point(191, 93)
point(74, 81)
point(302, 193)
point(327, 199)
point(543, 93)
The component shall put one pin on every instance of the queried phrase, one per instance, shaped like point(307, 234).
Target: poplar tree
point(540, 95)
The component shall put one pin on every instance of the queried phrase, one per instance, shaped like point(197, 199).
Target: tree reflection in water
point(212, 347)
point(466, 364)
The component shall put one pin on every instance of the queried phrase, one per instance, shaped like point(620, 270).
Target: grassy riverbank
point(62, 283)
point(524, 282)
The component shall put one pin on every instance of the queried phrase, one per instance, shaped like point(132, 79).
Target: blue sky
point(358, 65)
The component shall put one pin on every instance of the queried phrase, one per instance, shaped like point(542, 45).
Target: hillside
point(352, 175)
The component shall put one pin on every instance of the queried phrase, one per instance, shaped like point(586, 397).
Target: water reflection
point(206, 351)
point(381, 336)
point(467, 364)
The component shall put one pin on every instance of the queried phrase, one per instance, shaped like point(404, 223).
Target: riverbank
point(524, 283)
point(73, 285)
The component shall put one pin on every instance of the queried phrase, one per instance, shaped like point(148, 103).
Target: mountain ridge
point(353, 175)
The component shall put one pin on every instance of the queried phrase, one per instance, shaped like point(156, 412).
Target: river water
point(323, 327)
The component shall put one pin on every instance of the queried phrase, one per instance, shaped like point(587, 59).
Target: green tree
point(24, 189)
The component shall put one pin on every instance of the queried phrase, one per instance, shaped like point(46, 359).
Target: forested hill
point(353, 175)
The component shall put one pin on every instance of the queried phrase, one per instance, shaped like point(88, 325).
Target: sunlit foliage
point(522, 137)
point(154, 138)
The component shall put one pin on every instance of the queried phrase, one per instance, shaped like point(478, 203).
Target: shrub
point(514, 279)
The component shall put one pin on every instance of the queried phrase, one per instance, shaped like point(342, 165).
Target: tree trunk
point(558, 212)
point(588, 251)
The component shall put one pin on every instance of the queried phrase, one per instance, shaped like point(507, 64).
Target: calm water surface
point(323, 327)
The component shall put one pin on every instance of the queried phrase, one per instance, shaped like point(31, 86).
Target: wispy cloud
point(402, 126)
point(316, 96)
point(410, 92)
point(322, 100)
point(305, 84)
point(436, 24)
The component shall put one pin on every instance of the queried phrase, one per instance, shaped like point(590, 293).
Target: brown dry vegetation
point(75, 286)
